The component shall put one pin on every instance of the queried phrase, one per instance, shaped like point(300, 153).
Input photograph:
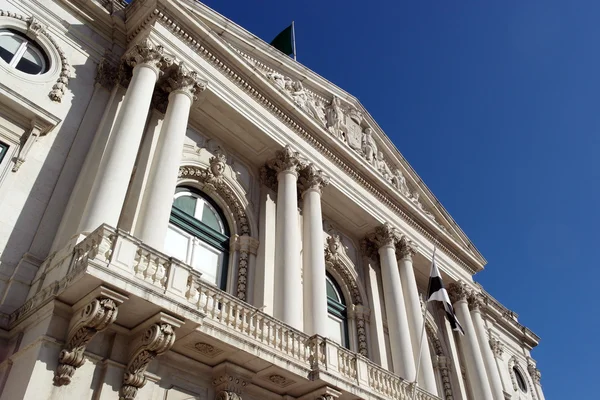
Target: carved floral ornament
point(35, 29)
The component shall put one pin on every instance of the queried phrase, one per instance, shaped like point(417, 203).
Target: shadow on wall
point(38, 220)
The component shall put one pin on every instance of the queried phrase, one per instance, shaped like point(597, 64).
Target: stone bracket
point(153, 337)
point(94, 313)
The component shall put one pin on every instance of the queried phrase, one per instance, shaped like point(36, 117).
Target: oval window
point(21, 53)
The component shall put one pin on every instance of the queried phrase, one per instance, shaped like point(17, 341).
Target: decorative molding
point(97, 315)
point(334, 254)
point(227, 395)
point(514, 363)
point(230, 381)
point(35, 29)
point(534, 373)
point(207, 350)
point(496, 346)
point(218, 184)
point(278, 113)
point(442, 362)
point(154, 341)
point(26, 143)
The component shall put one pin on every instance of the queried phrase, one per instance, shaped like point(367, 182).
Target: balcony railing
point(129, 263)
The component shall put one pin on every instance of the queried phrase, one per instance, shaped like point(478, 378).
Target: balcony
point(217, 327)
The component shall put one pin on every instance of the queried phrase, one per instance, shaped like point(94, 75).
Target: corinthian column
point(288, 276)
point(470, 345)
point(426, 379)
point(385, 238)
point(312, 182)
point(183, 86)
point(110, 186)
point(476, 304)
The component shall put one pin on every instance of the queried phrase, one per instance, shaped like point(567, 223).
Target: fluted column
point(475, 367)
point(183, 86)
point(385, 238)
point(426, 378)
point(476, 304)
point(312, 181)
point(110, 186)
point(288, 275)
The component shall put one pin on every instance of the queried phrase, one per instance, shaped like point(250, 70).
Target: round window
point(21, 53)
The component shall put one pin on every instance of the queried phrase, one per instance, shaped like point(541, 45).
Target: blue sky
point(496, 106)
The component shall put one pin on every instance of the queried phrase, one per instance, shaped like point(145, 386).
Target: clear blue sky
point(496, 104)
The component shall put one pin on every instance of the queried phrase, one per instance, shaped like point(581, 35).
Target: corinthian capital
point(146, 52)
point(475, 301)
point(312, 178)
point(406, 248)
point(458, 291)
point(384, 235)
point(287, 160)
point(184, 80)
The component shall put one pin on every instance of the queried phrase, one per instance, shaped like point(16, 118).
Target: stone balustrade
point(127, 264)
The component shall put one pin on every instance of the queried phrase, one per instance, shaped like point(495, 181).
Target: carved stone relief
point(346, 123)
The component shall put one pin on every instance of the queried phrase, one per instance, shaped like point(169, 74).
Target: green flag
point(284, 42)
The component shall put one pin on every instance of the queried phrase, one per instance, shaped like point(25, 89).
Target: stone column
point(469, 343)
point(312, 182)
point(385, 238)
point(426, 379)
point(475, 304)
point(183, 86)
point(112, 180)
point(288, 275)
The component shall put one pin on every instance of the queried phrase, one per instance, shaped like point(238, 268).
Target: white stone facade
point(299, 278)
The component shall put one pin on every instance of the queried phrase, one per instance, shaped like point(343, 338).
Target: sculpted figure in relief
point(369, 147)
point(333, 117)
point(399, 182)
point(383, 167)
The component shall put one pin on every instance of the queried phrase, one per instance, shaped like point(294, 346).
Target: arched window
point(336, 307)
point(520, 380)
point(199, 235)
point(19, 52)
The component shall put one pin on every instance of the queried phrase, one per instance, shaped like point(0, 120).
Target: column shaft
point(488, 358)
point(400, 342)
point(426, 378)
point(470, 345)
point(288, 287)
point(158, 198)
point(313, 253)
point(110, 186)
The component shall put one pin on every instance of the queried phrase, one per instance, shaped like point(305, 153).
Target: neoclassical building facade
point(186, 213)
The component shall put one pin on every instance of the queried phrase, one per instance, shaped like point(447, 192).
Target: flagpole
point(424, 307)
point(294, 39)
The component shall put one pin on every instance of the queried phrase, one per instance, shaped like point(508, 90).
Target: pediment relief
point(345, 122)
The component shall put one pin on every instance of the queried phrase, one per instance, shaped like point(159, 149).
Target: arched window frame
point(339, 309)
point(198, 229)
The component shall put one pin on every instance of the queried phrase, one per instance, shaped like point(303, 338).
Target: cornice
point(161, 16)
